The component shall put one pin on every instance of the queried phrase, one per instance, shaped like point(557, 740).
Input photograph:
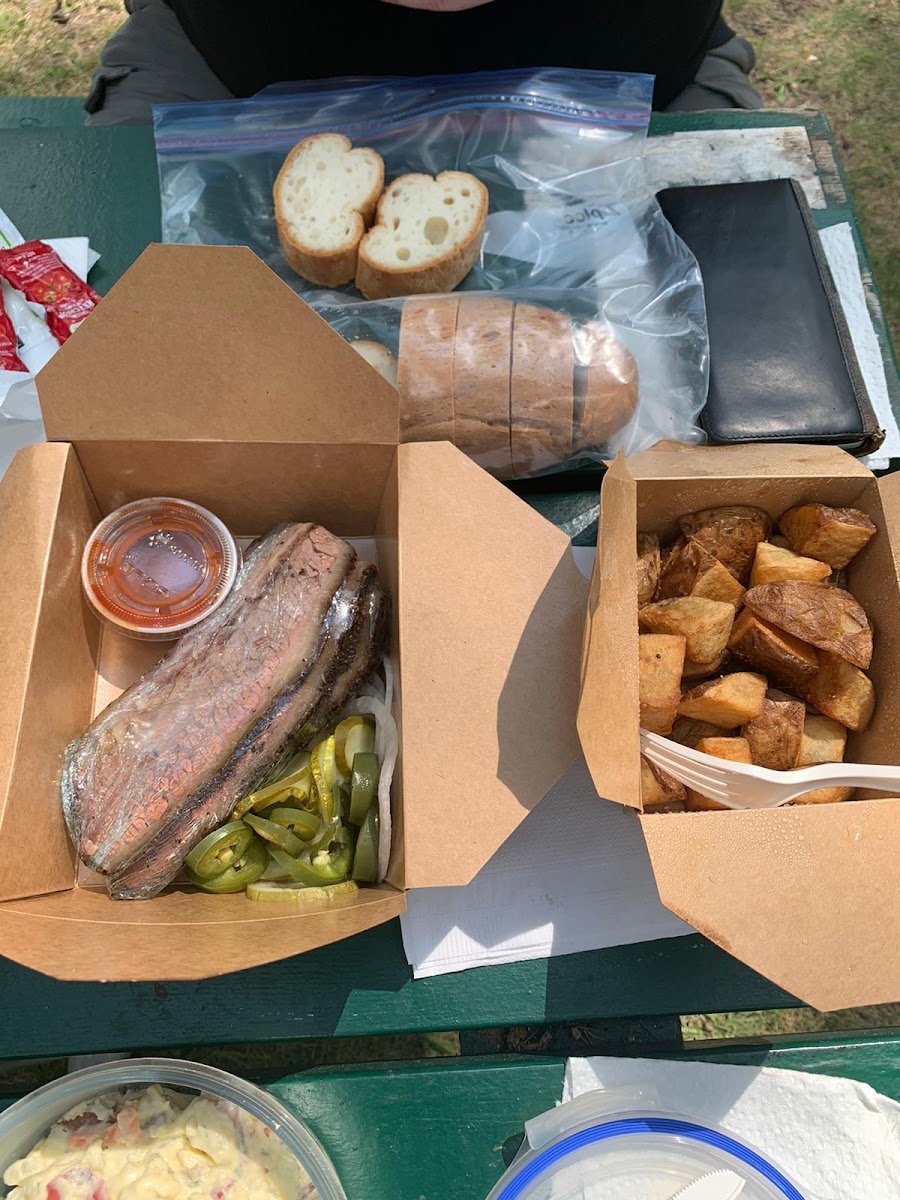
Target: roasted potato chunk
point(729, 534)
point(832, 795)
point(823, 741)
point(648, 566)
point(785, 659)
point(833, 535)
point(818, 613)
point(735, 749)
point(772, 564)
point(692, 670)
point(692, 571)
point(776, 734)
point(841, 691)
point(660, 660)
point(704, 624)
point(726, 702)
point(688, 732)
point(659, 791)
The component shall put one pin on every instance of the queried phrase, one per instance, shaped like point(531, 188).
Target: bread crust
point(379, 282)
point(327, 268)
point(425, 368)
point(541, 396)
point(606, 386)
point(481, 373)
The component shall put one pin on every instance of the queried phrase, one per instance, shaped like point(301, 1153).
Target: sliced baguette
point(426, 237)
point(606, 386)
point(326, 196)
point(379, 357)
point(541, 397)
point(481, 371)
point(425, 369)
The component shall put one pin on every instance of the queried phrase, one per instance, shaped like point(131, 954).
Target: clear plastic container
point(26, 1122)
point(156, 567)
point(588, 1150)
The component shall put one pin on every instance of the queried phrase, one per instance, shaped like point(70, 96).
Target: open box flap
point(608, 710)
point(675, 460)
point(46, 513)
point(805, 895)
point(889, 490)
point(202, 342)
point(490, 621)
point(83, 935)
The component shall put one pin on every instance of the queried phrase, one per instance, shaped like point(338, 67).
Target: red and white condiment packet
point(9, 343)
point(36, 270)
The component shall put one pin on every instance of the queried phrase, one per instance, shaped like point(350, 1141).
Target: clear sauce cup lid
point(156, 567)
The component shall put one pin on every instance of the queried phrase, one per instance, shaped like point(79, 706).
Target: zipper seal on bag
point(203, 120)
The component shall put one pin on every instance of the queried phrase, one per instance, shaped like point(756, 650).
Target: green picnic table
point(434, 1127)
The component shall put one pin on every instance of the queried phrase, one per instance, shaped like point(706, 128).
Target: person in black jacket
point(179, 50)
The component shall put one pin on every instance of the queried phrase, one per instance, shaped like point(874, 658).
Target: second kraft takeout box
point(201, 375)
point(807, 894)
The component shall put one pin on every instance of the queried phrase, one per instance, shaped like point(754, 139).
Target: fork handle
point(882, 779)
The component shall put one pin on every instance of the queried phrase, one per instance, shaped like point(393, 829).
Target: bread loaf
point(519, 388)
point(426, 238)
point(481, 373)
point(606, 386)
point(326, 195)
point(425, 369)
point(541, 400)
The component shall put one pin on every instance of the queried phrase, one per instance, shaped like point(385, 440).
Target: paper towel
point(839, 1139)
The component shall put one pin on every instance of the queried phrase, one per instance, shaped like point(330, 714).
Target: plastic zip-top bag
point(597, 340)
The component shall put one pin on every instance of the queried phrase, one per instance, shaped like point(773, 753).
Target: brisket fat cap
point(305, 625)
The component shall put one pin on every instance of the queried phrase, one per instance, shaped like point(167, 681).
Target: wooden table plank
point(363, 986)
point(424, 1131)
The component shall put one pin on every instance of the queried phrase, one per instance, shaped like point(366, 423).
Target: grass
point(840, 56)
point(50, 47)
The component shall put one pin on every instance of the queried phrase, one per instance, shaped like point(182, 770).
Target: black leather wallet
point(782, 366)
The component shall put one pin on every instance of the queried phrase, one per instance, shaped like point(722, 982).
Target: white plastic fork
point(716, 1185)
point(738, 785)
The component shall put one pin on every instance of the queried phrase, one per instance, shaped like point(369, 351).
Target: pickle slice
point(292, 893)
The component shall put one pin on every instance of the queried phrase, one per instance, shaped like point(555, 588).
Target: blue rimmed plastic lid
point(639, 1157)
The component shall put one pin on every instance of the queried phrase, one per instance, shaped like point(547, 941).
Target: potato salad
point(156, 1144)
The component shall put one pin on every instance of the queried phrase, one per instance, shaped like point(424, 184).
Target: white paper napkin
point(840, 250)
point(574, 876)
point(20, 413)
point(838, 1139)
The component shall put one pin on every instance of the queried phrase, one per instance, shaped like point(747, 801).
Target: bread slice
point(426, 237)
point(481, 373)
point(326, 196)
point(541, 395)
point(379, 357)
point(425, 369)
point(606, 386)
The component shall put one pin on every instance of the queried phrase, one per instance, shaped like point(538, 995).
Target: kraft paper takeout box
point(202, 375)
point(806, 895)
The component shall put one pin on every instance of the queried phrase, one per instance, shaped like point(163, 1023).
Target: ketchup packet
point(36, 270)
point(9, 343)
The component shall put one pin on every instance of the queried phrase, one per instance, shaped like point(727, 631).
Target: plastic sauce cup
point(155, 568)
